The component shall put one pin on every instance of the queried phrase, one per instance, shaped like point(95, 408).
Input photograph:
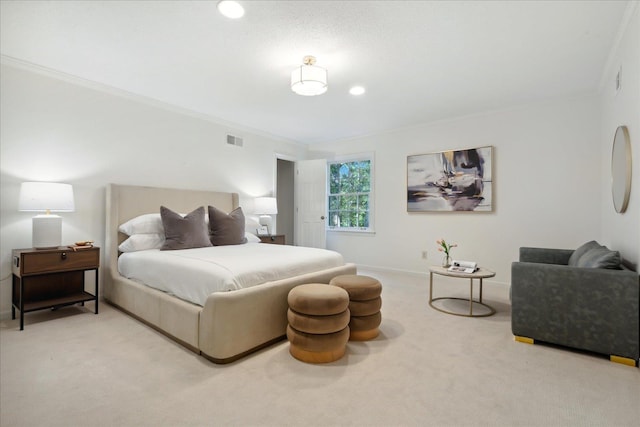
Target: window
point(350, 201)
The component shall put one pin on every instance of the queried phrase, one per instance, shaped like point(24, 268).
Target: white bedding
point(193, 274)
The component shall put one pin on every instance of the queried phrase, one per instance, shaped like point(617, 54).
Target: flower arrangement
point(445, 247)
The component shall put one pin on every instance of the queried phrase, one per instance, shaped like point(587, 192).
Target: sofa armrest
point(588, 308)
point(545, 255)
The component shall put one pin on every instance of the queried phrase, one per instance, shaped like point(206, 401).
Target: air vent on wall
point(234, 140)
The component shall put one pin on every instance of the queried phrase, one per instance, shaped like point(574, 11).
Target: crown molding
point(111, 90)
point(631, 9)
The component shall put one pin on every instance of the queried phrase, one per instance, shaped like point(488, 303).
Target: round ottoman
point(364, 305)
point(319, 318)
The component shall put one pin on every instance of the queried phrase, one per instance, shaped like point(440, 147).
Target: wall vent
point(234, 140)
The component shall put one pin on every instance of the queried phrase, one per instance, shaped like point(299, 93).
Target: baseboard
point(392, 270)
point(420, 274)
point(5, 315)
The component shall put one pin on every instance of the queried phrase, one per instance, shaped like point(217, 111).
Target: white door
point(311, 203)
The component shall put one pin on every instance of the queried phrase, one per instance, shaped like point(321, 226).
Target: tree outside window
point(349, 198)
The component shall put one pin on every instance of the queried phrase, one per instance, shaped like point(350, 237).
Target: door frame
point(280, 156)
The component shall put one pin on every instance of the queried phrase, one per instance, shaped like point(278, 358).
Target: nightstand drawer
point(43, 262)
point(276, 239)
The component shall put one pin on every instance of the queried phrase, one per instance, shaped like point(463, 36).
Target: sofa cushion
point(574, 259)
point(600, 258)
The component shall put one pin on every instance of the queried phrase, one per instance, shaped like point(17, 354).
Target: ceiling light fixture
point(231, 9)
point(357, 90)
point(308, 79)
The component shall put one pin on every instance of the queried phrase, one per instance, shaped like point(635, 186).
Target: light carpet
point(70, 367)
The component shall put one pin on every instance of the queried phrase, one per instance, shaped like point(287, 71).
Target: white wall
point(54, 130)
point(551, 168)
point(622, 231)
point(547, 188)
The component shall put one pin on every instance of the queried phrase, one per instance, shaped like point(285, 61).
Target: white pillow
point(252, 238)
point(143, 224)
point(152, 224)
point(142, 242)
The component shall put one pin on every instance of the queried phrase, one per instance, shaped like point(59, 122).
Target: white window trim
point(350, 158)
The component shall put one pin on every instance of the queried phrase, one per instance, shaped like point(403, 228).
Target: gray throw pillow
point(600, 258)
point(185, 232)
point(226, 229)
point(574, 259)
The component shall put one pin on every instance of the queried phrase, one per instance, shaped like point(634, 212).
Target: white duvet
point(193, 274)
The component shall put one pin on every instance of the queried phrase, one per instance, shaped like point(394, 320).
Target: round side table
point(481, 273)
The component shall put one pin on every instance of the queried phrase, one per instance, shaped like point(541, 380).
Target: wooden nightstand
point(276, 239)
point(51, 278)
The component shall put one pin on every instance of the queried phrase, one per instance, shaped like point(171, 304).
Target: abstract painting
point(456, 180)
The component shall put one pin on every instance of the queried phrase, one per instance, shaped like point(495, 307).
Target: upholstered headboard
point(127, 201)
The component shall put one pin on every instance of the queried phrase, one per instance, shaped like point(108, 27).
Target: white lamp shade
point(266, 206)
point(309, 80)
point(46, 197)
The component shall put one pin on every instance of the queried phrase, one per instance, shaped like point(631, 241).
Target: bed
point(229, 325)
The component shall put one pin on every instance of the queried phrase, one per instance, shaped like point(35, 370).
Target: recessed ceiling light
point(231, 9)
point(357, 90)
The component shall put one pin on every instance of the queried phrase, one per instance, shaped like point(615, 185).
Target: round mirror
point(621, 169)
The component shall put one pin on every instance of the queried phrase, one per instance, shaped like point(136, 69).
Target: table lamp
point(265, 207)
point(46, 197)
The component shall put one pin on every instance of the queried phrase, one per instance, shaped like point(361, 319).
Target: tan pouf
point(318, 324)
point(317, 299)
point(360, 288)
point(364, 304)
point(364, 328)
point(365, 308)
point(317, 348)
point(318, 318)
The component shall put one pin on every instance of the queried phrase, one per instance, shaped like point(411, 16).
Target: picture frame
point(262, 230)
point(449, 181)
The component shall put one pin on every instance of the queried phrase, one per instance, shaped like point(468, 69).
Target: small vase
point(446, 261)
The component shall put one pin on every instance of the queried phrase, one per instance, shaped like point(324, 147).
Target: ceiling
point(420, 61)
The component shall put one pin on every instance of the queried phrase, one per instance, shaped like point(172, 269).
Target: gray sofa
point(581, 298)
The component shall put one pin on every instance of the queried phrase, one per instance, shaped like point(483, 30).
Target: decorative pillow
point(574, 259)
point(600, 258)
point(142, 242)
point(143, 224)
point(226, 229)
point(185, 232)
point(251, 238)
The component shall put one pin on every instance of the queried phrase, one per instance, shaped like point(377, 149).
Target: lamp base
point(47, 231)
point(268, 221)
